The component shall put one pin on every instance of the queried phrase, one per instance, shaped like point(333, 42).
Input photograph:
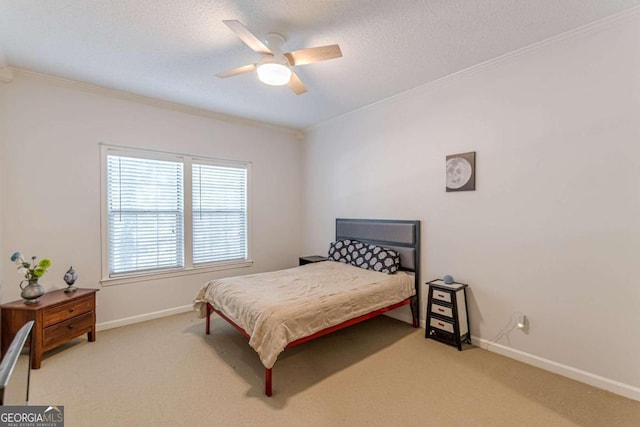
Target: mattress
point(279, 307)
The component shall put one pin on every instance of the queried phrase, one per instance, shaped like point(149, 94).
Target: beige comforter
point(279, 307)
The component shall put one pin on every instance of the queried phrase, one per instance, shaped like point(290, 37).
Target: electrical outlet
point(522, 321)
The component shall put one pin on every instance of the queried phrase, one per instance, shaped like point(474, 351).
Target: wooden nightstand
point(59, 317)
point(311, 259)
point(447, 315)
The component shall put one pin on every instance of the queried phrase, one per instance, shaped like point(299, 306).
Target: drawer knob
point(441, 310)
point(439, 324)
point(71, 310)
point(71, 326)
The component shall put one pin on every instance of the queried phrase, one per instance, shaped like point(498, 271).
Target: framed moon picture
point(461, 172)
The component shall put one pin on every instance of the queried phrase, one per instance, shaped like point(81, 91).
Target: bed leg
point(414, 311)
point(267, 382)
point(208, 318)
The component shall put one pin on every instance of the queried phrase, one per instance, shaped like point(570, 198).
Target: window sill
point(113, 281)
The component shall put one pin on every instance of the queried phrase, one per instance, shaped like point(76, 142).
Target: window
point(172, 214)
point(219, 213)
point(146, 215)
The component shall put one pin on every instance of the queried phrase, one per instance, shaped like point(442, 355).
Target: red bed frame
point(400, 235)
point(345, 324)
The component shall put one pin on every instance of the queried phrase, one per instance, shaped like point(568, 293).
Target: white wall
point(50, 185)
point(553, 229)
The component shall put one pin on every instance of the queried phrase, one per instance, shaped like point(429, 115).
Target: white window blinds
point(145, 214)
point(219, 213)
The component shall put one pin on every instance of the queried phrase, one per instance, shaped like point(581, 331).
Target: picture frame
point(461, 172)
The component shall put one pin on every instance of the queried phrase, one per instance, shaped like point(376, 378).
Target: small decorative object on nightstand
point(447, 314)
point(70, 278)
point(311, 259)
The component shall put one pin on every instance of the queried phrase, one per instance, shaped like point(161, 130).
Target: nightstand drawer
point(69, 328)
point(441, 324)
point(66, 311)
point(441, 310)
point(441, 295)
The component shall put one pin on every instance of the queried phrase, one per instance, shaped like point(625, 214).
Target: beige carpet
point(167, 372)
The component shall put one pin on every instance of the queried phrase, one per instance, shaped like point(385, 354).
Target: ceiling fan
point(275, 67)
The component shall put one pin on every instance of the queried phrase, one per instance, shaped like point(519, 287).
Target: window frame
point(189, 268)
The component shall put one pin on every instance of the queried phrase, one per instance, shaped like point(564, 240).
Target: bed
point(281, 309)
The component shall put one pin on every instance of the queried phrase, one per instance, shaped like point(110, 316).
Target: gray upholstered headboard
point(400, 235)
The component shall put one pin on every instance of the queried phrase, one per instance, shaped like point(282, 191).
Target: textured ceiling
point(171, 50)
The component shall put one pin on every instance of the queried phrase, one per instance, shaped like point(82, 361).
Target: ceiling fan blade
point(247, 36)
point(313, 54)
point(296, 84)
point(236, 71)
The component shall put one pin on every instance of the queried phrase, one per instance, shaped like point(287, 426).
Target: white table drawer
point(442, 310)
point(441, 324)
point(441, 295)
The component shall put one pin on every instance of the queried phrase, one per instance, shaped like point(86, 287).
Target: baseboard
point(613, 386)
point(142, 318)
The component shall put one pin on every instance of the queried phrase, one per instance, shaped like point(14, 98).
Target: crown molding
point(155, 102)
point(582, 31)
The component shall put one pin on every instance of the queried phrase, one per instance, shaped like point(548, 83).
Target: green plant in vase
point(33, 271)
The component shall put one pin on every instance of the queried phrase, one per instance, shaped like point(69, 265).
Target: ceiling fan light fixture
point(275, 66)
point(274, 74)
